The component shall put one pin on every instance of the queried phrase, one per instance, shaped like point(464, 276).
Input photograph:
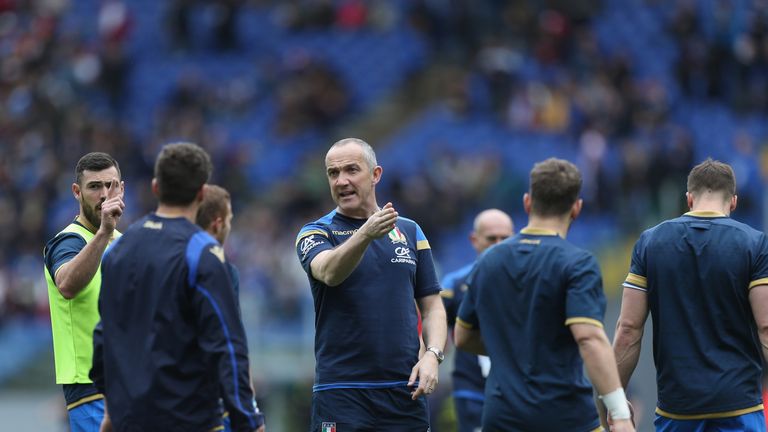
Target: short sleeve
point(584, 300)
point(312, 239)
point(759, 271)
point(62, 249)
point(426, 277)
point(467, 316)
point(636, 278)
point(448, 295)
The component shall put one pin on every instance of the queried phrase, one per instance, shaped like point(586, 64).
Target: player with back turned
point(535, 305)
point(170, 342)
point(704, 278)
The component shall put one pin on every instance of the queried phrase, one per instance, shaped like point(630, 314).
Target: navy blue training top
point(523, 294)
point(697, 270)
point(467, 375)
point(171, 342)
point(366, 332)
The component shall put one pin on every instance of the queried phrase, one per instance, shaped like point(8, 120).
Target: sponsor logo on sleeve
point(307, 245)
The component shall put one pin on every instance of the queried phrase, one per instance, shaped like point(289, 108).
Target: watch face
point(439, 354)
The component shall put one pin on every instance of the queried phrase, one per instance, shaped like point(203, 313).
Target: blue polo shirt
point(697, 271)
point(366, 333)
point(523, 294)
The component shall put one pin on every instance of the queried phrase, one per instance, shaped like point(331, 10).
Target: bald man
point(490, 227)
point(366, 264)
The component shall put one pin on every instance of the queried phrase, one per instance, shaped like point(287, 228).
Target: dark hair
point(214, 204)
point(555, 186)
point(95, 161)
point(712, 176)
point(181, 170)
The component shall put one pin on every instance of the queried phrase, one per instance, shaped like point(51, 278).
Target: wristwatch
point(438, 353)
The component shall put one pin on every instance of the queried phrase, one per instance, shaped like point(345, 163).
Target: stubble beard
point(91, 214)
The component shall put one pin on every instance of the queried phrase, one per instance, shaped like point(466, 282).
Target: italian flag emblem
point(328, 427)
point(397, 236)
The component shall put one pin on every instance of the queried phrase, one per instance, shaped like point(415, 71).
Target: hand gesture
point(380, 223)
point(112, 208)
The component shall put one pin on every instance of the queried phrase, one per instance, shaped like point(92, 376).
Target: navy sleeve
point(759, 270)
point(60, 250)
point(97, 364)
point(222, 334)
point(584, 301)
point(467, 316)
point(448, 294)
point(426, 278)
point(312, 239)
point(637, 276)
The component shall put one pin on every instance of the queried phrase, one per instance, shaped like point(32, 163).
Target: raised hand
point(380, 223)
point(112, 208)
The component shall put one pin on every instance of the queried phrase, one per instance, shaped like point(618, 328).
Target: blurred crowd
point(539, 67)
point(534, 67)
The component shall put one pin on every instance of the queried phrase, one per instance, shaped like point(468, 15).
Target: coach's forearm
point(334, 266)
point(434, 324)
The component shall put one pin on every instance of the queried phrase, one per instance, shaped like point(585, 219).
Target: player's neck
point(559, 225)
point(715, 206)
point(169, 211)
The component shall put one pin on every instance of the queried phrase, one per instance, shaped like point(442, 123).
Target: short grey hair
point(368, 154)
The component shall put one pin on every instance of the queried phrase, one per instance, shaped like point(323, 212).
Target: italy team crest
point(397, 236)
point(328, 427)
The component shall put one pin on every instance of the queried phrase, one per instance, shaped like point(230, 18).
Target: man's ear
point(527, 203)
point(734, 202)
point(76, 191)
point(217, 225)
point(377, 171)
point(155, 188)
point(689, 200)
point(576, 208)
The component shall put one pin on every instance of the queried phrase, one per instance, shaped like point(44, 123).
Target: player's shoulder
point(409, 228)
point(573, 254)
point(408, 224)
point(321, 226)
point(67, 239)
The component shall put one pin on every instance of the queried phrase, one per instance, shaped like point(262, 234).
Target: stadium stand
point(634, 91)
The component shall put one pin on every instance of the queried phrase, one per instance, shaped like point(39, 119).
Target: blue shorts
point(358, 410)
point(469, 413)
point(86, 417)
point(751, 422)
